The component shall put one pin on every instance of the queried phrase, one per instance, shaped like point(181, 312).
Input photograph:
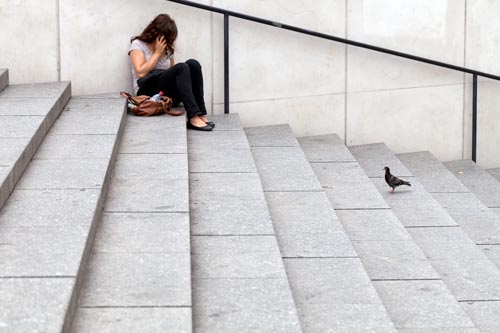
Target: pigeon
point(393, 181)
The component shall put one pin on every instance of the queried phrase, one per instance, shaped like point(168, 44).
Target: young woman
point(154, 70)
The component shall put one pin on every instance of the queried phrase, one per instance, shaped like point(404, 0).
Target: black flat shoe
point(210, 123)
point(205, 128)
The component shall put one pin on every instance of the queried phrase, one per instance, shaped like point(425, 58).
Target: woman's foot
point(205, 119)
point(196, 123)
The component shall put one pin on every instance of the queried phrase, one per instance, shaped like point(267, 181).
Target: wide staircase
point(116, 223)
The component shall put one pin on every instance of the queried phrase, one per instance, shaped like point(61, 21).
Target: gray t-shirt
point(163, 63)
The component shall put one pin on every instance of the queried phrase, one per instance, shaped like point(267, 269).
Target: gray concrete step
point(26, 114)
point(495, 173)
point(239, 280)
point(473, 216)
point(464, 268)
point(4, 78)
point(413, 293)
point(47, 225)
point(139, 273)
point(478, 181)
point(329, 284)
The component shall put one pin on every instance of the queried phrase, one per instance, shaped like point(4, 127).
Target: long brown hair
point(162, 25)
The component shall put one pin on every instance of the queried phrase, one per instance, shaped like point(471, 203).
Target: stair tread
point(47, 221)
point(479, 223)
point(24, 121)
point(90, 320)
point(495, 173)
point(141, 255)
point(239, 281)
point(465, 269)
point(477, 180)
point(319, 258)
point(388, 253)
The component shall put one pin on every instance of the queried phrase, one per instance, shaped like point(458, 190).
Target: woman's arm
point(138, 59)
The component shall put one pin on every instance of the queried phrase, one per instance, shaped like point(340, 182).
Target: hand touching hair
point(162, 26)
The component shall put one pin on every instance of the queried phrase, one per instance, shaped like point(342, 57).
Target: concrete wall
point(282, 77)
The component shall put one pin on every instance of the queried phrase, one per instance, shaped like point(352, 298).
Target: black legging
point(183, 83)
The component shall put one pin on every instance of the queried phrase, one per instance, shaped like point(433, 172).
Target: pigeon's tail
point(406, 183)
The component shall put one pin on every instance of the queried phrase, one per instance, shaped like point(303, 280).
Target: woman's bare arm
point(138, 59)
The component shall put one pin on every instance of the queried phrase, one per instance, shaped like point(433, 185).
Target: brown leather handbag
point(143, 106)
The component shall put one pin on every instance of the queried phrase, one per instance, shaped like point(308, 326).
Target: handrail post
point(474, 117)
point(226, 63)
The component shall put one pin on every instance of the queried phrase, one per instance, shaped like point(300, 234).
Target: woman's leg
point(175, 82)
point(197, 83)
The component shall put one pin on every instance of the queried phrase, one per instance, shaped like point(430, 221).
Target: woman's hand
point(160, 45)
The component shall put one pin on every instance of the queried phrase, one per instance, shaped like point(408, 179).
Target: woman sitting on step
point(154, 70)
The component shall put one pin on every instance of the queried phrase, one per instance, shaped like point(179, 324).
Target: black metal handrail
point(228, 13)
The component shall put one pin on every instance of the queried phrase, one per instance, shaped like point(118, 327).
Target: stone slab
point(271, 136)
point(226, 122)
point(12, 150)
point(94, 105)
point(4, 78)
point(111, 95)
point(148, 195)
point(486, 315)
point(445, 243)
point(394, 260)
point(477, 180)
point(310, 210)
point(496, 211)
point(421, 305)
point(159, 125)
point(431, 173)
point(22, 311)
point(110, 320)
point(235, 160)
point(169, 167)
point(492, 252)
point(306, 225)
point(374, 157)
point(345, 318)
point(327, 244)
point(66, 174)
point(441, 330)
point(50, 208)
point(26, 107)
point(241, 305)
point(49, 89)
point(242, 257)
point(330, 281)
point(76, 147)
point(217, 139)
point(347, 186)
point(20, 126)
point(470, 279)
point(34, 251)
point(413, 206)
point(284, 169)
point(87, 124)
point(321, 287)
point(479, 222)
point(220, 207)
point(325, 148)
point(137, 279)
point(372, 225)
point(495, 173)
point(145, 140)
point(136, 233)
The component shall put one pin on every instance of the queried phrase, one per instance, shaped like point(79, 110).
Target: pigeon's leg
point(391, 190)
